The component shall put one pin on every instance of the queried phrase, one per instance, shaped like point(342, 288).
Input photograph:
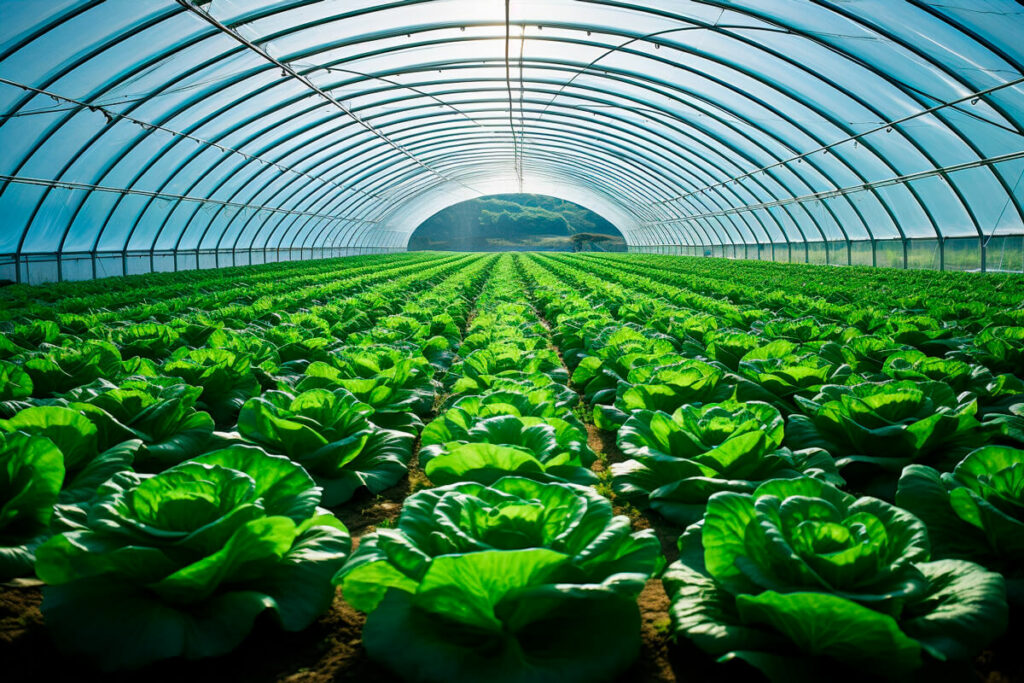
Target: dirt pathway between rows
point(654, 665)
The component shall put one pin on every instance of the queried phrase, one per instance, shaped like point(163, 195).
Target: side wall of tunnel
point(140, 135)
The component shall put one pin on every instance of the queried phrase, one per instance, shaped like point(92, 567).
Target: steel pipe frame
point(648, 56)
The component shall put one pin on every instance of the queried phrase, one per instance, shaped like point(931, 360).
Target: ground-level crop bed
point(516, 469)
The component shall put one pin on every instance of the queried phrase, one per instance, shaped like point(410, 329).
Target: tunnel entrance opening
point(517, 222)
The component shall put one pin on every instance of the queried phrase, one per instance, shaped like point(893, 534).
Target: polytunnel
point(141, 135)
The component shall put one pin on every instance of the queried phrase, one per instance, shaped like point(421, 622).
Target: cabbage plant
point(459, 446)
point(729, 345)
point(31, 474)
point(787, 371)
point(56, 369)
point(994, 393)
point(181, 563)
point(146, 340)
point(329, 434)
point(90, 456)
point(521, 402)
point(975, 512)
point(799, 579)
point(504, 360)
point(678, 461)
point(538, 388)
point(15, 388)
point(515, 582)
point(226, 379)
point(883, 426)
point(399, 387)
point(158, 411)
point(667, 387)
point(1000, 349)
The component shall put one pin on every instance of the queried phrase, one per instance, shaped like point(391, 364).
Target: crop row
point(846, 478)
point(757, 433)
point(158, 535)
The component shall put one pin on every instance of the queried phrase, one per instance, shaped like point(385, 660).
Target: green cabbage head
point(328, 433)
point(519, 582)
point(181, 563)
point(31, 473)
point(678, 461)
point(800, 580)
point(460, 446)
point(975, 512)
point(883, 426)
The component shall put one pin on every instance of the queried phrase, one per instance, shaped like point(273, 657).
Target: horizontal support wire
point(864, 187)
point(307, 83)
point(111, 116)
point(68, 185)
point(852, 138)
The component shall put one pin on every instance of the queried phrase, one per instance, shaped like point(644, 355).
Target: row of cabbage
point(945, 296)
point(751, 429)
point(117, 297)
point(514, 568)
point(173, 492)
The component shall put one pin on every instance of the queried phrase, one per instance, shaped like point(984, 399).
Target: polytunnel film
point(140, 135)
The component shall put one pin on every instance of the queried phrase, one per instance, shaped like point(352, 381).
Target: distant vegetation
point(517, 222)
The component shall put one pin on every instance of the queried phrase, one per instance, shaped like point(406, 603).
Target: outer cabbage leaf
point(86, 466)
point(181, 563)
point(503, 583)
point(226, 379)
point(31, 474)
point(330, 435)
point(975, 512)
point(460, 447)
point(677, 462)
point(880, 427)
point(157, 411)
point(799, 575)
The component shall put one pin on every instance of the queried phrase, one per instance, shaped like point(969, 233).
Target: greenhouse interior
point(512, 341)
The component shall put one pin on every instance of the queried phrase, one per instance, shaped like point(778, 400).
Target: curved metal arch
point(771, 86)
point(797, 175)
point(769, 193)
point(798, 223)
point(878, 73)
point(567, 135)
point(607, 176)
point(583, 181)
point(684, 160)
point(956, 189)
point(765, 189)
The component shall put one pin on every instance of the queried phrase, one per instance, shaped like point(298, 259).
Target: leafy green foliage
point(975, 512)
point(330, 435)
point(57, 369)
point(463, 447)
point(799, 576)
point(31, 474)
point(398, 386)
point(679, 461)
point(226, 379)
point(181, 563)
point(87, 461)
point(510, 582)
point(158, 411)
point(886, 425)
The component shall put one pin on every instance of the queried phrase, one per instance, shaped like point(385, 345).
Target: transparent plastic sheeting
point(153, 134)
